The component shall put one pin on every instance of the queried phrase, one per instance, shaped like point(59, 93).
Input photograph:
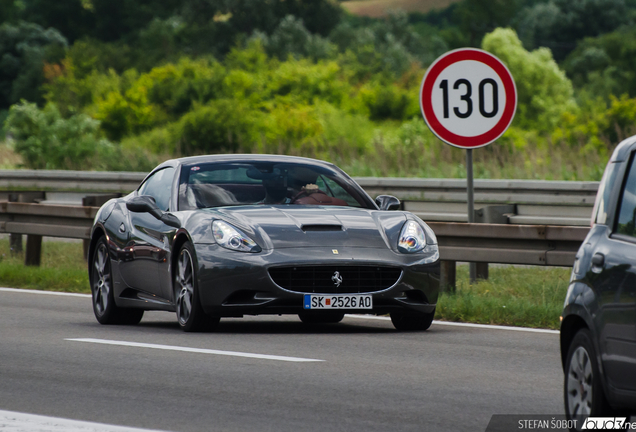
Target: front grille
point(323, 279)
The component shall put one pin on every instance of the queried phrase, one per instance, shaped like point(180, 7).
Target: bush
point(544, 92)
point(221, 126)
point(45, 140)
point(389, 101)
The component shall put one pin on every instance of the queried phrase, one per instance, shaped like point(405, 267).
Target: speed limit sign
point(468, 98)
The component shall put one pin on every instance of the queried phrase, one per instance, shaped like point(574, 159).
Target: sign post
point(468, 99)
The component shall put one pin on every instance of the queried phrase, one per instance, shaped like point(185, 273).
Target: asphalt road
point(357, 375)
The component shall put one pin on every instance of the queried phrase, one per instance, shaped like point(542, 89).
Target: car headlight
point(232, 238)
point(413, 238)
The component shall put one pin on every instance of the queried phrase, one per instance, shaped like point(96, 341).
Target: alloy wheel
point(184, 287)
point(101, 280)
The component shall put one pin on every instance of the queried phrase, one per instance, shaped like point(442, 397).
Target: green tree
point(105, 20)
point(246, 16)
point(478, 17)
point(24, 49)
point(292, 38)
point(544, 91)
point(47, 141)
point(559, 24)
point(605, 65)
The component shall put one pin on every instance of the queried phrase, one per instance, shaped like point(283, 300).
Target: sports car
point(220, 236)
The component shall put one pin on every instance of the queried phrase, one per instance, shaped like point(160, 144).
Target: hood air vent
point(322, 228)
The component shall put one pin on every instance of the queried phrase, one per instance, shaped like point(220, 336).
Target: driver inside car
point(275, 190)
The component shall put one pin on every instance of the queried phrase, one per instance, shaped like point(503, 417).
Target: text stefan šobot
point(591, 423)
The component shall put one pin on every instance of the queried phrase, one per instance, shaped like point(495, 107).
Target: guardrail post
point(33, 250)
point(448, 277)
point(482, 270)
point(15, 240)
point(494, 214)
point(34, 243)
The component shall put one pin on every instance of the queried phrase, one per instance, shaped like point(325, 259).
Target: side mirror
point(387, 202)
point(147, 204)
point(144, 204)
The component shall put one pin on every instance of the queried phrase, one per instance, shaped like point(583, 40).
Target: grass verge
point(515, 296)
point(62, 268)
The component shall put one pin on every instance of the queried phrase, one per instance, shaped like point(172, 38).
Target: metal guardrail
point(434, 200)
point(491, 243)
point(541, 245)
point(47, 220)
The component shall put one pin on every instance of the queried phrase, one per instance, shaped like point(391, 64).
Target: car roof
point(246, 158)
point(623, 150)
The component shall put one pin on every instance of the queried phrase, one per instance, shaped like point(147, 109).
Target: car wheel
point(582, 390)
point(321, 318)
point(412, 321)
point(101, 277)
point(190, 314)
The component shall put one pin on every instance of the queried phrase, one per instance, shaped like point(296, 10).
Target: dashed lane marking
point(20, 422)
point(195, 350)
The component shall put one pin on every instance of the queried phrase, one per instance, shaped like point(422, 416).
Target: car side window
point(336, 190)
point(159, 186)
point(599, 213)
point(626, 223)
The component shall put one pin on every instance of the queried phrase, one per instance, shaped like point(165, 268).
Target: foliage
point(605, 65)
point(45, 140)
point(105, 20)
point(558, 24)
point(599, 126)
point(24, 49)
point(386, 47)
point(544, 92)
point(175, 78)
point(245, 16)
point(291, 38)
point(478, 17)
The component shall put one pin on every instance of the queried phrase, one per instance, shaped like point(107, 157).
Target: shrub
point(45, 140)
point(544, 92)
point(220, 126)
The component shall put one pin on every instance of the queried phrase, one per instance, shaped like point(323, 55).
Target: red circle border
point(426, 105)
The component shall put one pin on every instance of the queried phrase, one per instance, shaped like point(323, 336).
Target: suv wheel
point(583, 391)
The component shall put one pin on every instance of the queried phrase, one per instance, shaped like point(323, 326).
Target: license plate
point(338, 301)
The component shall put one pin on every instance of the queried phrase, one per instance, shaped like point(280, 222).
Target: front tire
point(190, 314)
point(412, 321)
point(101, 278)
point(583, 390)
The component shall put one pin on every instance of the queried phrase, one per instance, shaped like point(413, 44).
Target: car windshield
point(252, 183)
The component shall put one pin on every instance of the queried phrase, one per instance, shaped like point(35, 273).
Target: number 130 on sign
point(468, 98)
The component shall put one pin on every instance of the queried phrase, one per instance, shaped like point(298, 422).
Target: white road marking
point(368, 317)
point(20, 422)
point(460, 324)
point(28, 291)
point(195, 350)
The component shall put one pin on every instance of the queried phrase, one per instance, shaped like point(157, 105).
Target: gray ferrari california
point(228, 235)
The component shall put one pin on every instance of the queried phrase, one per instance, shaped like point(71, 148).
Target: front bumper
point(233, 284)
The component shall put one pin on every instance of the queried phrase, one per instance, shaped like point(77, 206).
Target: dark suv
point(598, 329)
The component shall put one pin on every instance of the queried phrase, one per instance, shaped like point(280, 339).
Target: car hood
point(297, 226)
